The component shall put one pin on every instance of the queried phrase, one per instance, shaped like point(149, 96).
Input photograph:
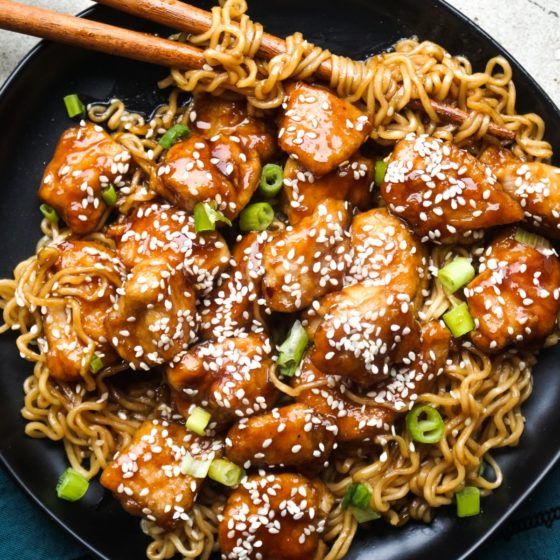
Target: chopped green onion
point(225, 472)
point(456, 274)
point(197, 468)
point(198, 420)
point(96, 363)
point(49, 212)
point(71, 485)
point(292, 349)
point(459, 320)
point(357, 495)
point(256, 217)
point(425, 424)
point(272, 179)
point(468, 501)
point(364, 515)
point(532, 239)
point(380, 171)
point(74, 106)
point(173, 135)
point(206, 216)
point(109, 195)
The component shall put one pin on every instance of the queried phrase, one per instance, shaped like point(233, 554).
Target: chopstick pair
point(114, 40)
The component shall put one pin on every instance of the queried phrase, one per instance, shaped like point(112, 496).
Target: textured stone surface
point(529, 29)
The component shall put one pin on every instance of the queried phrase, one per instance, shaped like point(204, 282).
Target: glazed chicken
point(303, 192)
point(272, 517)
point(304, 262)
point(516, 297)
point(444, 193)
point(86, 160)
point(161, 230)
point(290, 436)
point(154, 318)
point(67, 351)
point(318, 129)
point(236, 305)
point(230, 379)
point(535, 185)
point(146, 478)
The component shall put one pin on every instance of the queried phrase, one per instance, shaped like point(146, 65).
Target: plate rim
point(90, 13)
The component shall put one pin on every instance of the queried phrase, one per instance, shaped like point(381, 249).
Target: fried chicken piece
point(274, 517)
point(303, 192)
point(219, 170)
point(100, 274)
point(305, 262)
point(319, 129)
point(154, 318)
point(535, 185)
point(86, 159)
point(236, 305)
point(515, 299)
point(161, 230)
point(290, 436)
point(230, 379)
point(146, 478)
point(443, 193)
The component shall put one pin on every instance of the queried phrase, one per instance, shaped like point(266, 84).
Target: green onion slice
point(272, 179)
point(173, 135)
point(532, 239)
point(364, 515)
point(468, 501)
point(225, 472)
point(358, 495)
point(459, 320)
point(292, 349)
point(456, 274)
point(198, 420)
point(74, 106)
point(109, 195)
point(206, 216)
point(50, 213)
point(425, 424)
point(256, 217)
point(380, 171)
point(96, 363)
point(71, 485)
point(197, 468)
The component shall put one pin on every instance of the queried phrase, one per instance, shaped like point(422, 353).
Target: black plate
point(31, 118)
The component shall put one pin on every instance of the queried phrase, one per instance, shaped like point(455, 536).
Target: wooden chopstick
point(185, 17)
point(148, 48)
point(97, 36)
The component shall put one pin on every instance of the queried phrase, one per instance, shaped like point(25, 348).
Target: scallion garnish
point(256, 217)
point(173, 135)
point(197, 468)
point(358, 494)
point(198, 420)
point(71, 485)
point(292, 349)
point(225, 472)
point(532, 239)
point(206, 216)
point(364, 515)
point(109, 195)
point(96, 363)
point(459, 320)
point(456, 274)
point(50, 213)
point(74, 106)
point(468, 501)
point(272, 179)
point(425, 424)
point(380, 171)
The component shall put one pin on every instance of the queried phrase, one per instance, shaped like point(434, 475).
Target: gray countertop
point(528, 29)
